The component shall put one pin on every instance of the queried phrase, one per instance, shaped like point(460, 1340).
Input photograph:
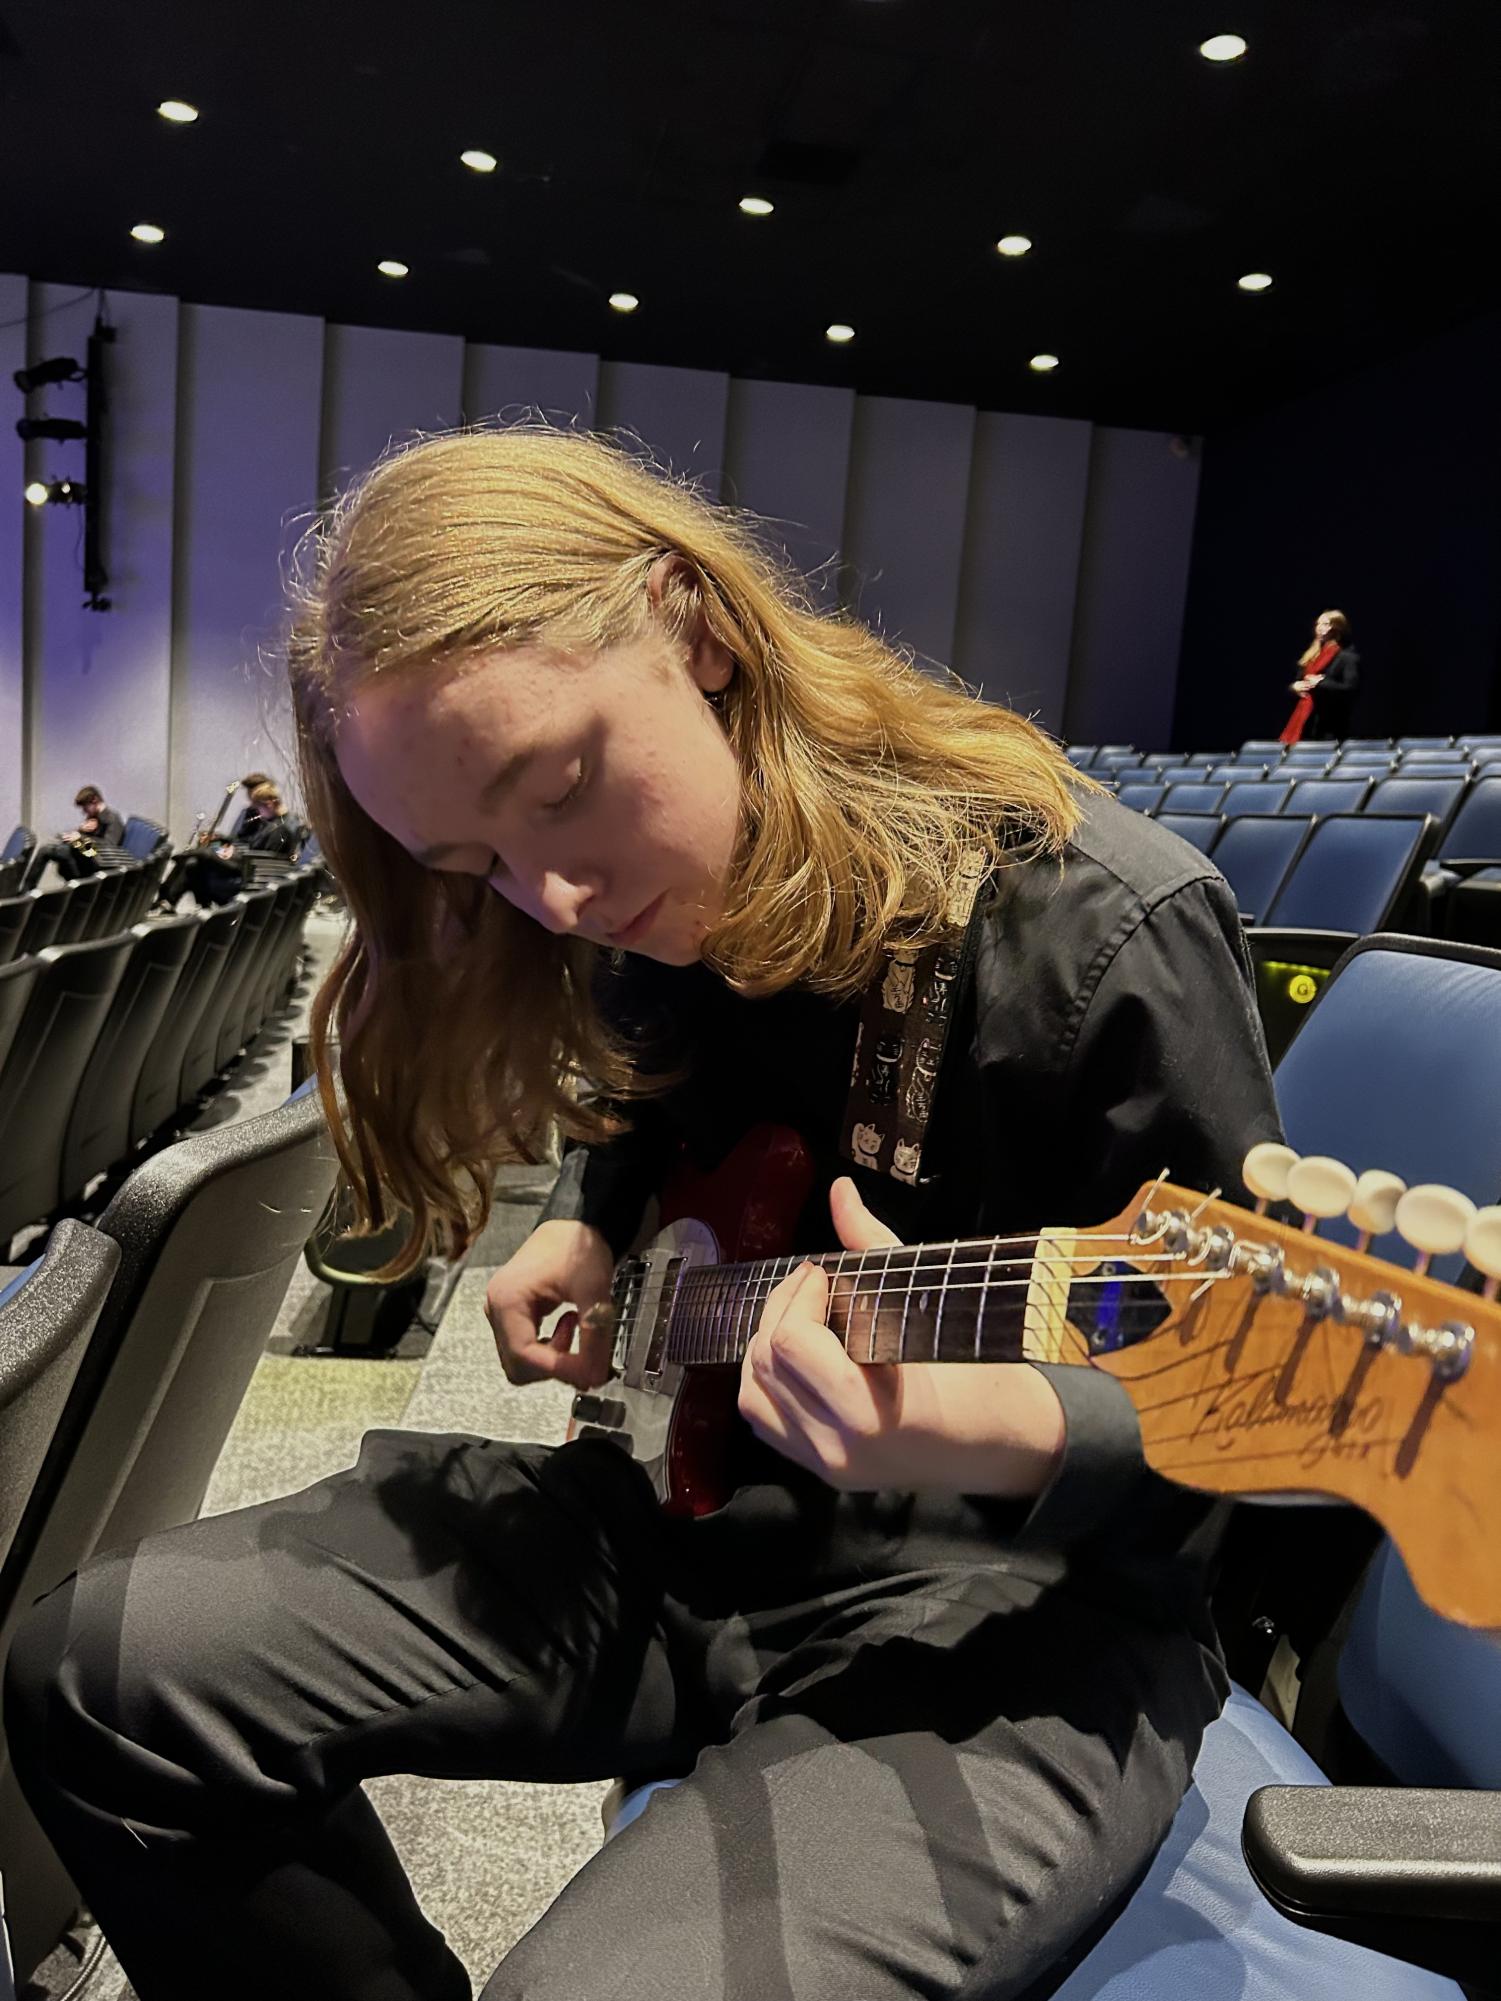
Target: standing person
point(89, 847)
point(612, 801)
point(1329, 675)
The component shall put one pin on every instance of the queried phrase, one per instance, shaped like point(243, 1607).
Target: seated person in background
point(79, 854)
point(250, 818)
point(214, 874)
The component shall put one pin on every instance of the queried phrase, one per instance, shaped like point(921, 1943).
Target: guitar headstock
point(1264, 1359)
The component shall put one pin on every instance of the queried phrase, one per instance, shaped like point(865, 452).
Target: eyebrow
point(503, 782)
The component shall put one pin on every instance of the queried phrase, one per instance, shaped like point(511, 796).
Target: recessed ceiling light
point(756, 205)
point(1014, 246)
point(147, 232)
point(392, 267)
point(176, 112)
point(1043, 364)
point(1255, 281)
point(839, 333)
point(1223, 49)
point(36, 493)
point(624, 302)
point(481, 161)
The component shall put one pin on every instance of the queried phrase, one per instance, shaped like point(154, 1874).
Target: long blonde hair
point(463, 1028)
point(1340, 631)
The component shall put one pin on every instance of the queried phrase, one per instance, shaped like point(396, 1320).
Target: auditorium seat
point(1115, 757)
point(1438, 796)
point(78, 900)
point(1435, 760)
point(17, 978)
point(112, 894)
point(1141, 798)
point(1202, 830)
point(199, 1051)
point(1328, 795)
point(14, 911)
point(284, 935)
point(46, 913)
point(157, 1099)
point(1259, 746)
point(20, 844)
point(1255, 855)
point(98, 1130)
point(1193, 798)
point(229, 1004)
point(39, 1077)
point(47, 1313)
point(11, 874)
point(1180, 773)
point(1425, 742)
point(145, 839)
point(1459, 883)
point(1081, 755)
point(1355, 875)
point(1256, 795)
point(209, 1232)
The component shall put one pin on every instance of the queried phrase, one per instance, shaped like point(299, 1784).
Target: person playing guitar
point(629, 830)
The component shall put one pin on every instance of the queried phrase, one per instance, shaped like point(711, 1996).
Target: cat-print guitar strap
point(906, 1014)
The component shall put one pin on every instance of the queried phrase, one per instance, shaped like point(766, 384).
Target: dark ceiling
point(1348, 153)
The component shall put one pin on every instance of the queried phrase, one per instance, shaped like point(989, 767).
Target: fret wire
point(833, 1264)
point(988, 1244)
point(943, 1293)
point(980, 1309)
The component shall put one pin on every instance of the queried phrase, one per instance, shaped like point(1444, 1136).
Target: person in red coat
point(1328, 675)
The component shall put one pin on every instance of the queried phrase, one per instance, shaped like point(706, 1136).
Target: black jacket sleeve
point(111, 828)
point(1340, 678)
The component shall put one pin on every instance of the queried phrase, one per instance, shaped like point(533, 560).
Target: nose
point(563, 900)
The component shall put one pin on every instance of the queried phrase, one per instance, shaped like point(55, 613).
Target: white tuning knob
point(1483, 1246)
point(1434, 1220)
point(1320, 1187)
point(1265, 1171)
point(1374, 1210)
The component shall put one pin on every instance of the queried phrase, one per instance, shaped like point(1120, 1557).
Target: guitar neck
point(985, 1299)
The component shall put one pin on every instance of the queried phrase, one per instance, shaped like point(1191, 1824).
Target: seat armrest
point(1410, 1871)
point(1454, 866)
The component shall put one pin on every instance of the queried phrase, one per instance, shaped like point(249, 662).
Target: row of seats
point(1104, 758)
point(104, 1044)
point(125, 1352)
point(1441, 796)
point(96, 906)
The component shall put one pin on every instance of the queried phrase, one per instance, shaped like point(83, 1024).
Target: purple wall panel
point(787, 451)
point(247, 484)
point(514, 382)
point(13, 511)
point(378, 384)
point(679, 413)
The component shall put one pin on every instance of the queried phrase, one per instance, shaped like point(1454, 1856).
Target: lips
point(639, 925)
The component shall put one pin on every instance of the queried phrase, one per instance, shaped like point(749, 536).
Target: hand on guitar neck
point(955, 1427)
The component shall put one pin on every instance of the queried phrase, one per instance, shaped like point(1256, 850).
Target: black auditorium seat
point(47, 1313)
point(229, 1005)
point(157, 1099)
point(77, 908)
point(98, 1132)
point(209, 1233)
point(14, 911)
point(17, 978)
point(286, 917)
point(39, 1079)
point(47, 907)
point(10, 877)
point(111, 895)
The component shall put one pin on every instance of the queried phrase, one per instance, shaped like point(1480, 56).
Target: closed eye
point(558, 805)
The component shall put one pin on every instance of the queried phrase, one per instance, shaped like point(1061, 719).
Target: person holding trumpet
point(86, 850)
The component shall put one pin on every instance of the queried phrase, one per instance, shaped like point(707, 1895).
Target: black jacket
point(110, 828)
point(1334, 696)
point(1110, 1031)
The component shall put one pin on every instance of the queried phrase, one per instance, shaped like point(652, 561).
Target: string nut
point(1483, 1240)
point(1434, 1219)
point(1265, 1170)
point(1374, 1209)
point(1320, 1186)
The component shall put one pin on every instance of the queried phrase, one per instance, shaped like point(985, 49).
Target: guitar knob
point(1434, 1220)
point(1321, 1187)
point(1374, 1209)
point(1265, 1170)
point(1483, 1246)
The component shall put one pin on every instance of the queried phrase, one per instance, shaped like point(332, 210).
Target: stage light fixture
point(37, 494)
point(57, 428)
point(176, 112)
point(392, 267)
point(624, 302)
point(756, 205)
point(1014, 246)
point(478, 161)
point(56, 492)
point(148, 232)
point(1043, 364)
point(839, 333)
point(61, 368)
point(1223, 48)
point(1255, 281)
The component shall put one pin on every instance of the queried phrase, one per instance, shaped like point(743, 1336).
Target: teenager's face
point(597, 793)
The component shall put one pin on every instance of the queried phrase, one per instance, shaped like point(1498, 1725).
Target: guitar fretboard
point(999, 1299)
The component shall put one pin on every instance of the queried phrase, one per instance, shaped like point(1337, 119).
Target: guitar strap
point(906, 1013)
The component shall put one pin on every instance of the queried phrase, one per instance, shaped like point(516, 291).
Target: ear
point(711, 664)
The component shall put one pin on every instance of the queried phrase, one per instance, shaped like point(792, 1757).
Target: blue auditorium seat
point(1193, 797)
point(144, 839)
point(1424, 742)
point(1081, 755)
point(1328, 795)
point(1201, 830)
point(20, 845)
point(1256, 795)
point(1438, 796)
point(1141, 798)
point(1255, 855)
point(1256, 746)
point(1353, 873)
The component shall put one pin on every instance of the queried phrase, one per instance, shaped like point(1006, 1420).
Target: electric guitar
point(1262, 1359)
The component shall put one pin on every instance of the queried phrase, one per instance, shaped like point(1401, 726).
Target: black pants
point(71, 864)
point(210, 879)
point(922, 1785)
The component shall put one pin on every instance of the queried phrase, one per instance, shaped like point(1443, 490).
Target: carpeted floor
point(486, 1859)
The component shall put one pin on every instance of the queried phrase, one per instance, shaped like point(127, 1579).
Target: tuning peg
point(1374, 1210)
point(1434, 1220)
point(1265, 1170)
point(1320, 1187)
point(1483, 1247)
